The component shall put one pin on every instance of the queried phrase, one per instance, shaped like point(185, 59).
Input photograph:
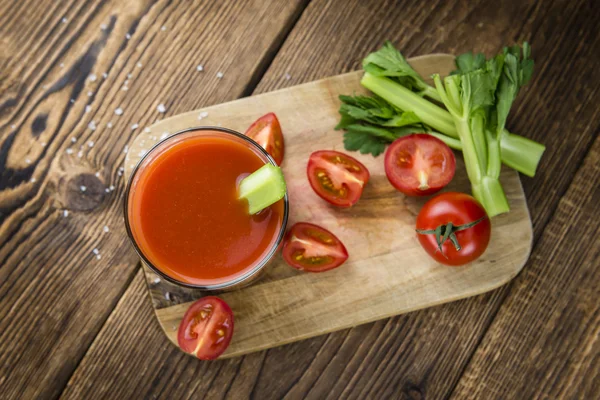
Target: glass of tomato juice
point(183, 215)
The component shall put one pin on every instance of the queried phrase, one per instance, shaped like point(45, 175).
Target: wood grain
point(559, 290)
point(55, 292)
point(420, 354)
point(387, 273)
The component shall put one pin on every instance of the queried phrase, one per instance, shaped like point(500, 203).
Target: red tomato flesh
point(336, 177)
point(419, 164)
point(266, 131)
point(459, 209)
point(309, 247)
point(206, 328)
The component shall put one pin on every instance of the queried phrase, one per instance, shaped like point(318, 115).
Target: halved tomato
point(337, 177)
point(309, 247)
point(206, 328)
point(266, 131)
point(419, 164)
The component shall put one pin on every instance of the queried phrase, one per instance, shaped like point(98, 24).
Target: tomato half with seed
point(419, 164)
point(266, 131)
point(464, 232)
point(310, 248)
point(206, 328)
point(337, 177)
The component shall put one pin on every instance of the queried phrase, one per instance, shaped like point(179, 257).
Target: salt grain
point(88, 108)
point(72, 101)
point(134, 126)
point(287, 76)
point(83, 188)
point(73, 139)
point(43, 144)
point(32, 180)
point(139, 65)
point(103, 27)
point(203, 114)
point(109, 124)
point(27, 161)
point(163, 28)
point(92, 77)
point(91, 143)
point(141, 153)
point(13, 126)
point(156, 280)
point(65, 213)
point(111, 187)
point(105, 229)
point(147, 130)
point(97, 174)
point(96, 251)
point(44, 87)
point(90, 94)
point(69, 151)
point(98, 256)
point(105, 75)
point(80, 154)
point(129, 76)
point(106, 190)
point(161, 108)
point(62, 65)
point(124, 88)
point(219, 75)
point(119, 111)
point(200, 68)
point(64, 20)
point(164, 135)
point(168, 296)
point(92, 126)
point(125, 149)
point(128, 36)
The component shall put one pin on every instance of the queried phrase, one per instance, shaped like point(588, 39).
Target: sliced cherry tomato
point(206, 328)
point(309, 247)
point(266, 131)
point(465, 228)
point(337, 177)
point(419, 164)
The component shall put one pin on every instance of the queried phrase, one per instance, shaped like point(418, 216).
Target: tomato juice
point(183, 214)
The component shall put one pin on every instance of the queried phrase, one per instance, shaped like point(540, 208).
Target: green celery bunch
point(388, 75)
point(479, 97)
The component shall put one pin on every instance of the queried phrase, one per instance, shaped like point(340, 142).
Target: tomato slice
point(337, 177)
point(419, 164)
point(206, 328)
point(266, 131)
point(310, 248)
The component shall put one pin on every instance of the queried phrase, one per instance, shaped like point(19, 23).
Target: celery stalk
point(516, 151)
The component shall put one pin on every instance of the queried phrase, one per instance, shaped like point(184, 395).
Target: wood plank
point(549, 325)
point(421, 354)
point(55, 292)
point(382, 245)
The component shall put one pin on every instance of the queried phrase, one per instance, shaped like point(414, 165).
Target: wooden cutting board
point(387, 273)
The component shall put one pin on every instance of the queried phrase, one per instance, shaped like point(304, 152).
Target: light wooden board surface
point(387, 273)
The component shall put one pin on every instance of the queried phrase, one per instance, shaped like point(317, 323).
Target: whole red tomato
point(453, 228)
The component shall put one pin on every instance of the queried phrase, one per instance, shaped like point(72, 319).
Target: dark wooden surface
point(75, 326)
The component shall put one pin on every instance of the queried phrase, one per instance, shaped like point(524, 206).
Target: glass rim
point(218, 286)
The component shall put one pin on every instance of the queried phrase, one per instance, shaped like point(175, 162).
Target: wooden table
point(76, 325)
